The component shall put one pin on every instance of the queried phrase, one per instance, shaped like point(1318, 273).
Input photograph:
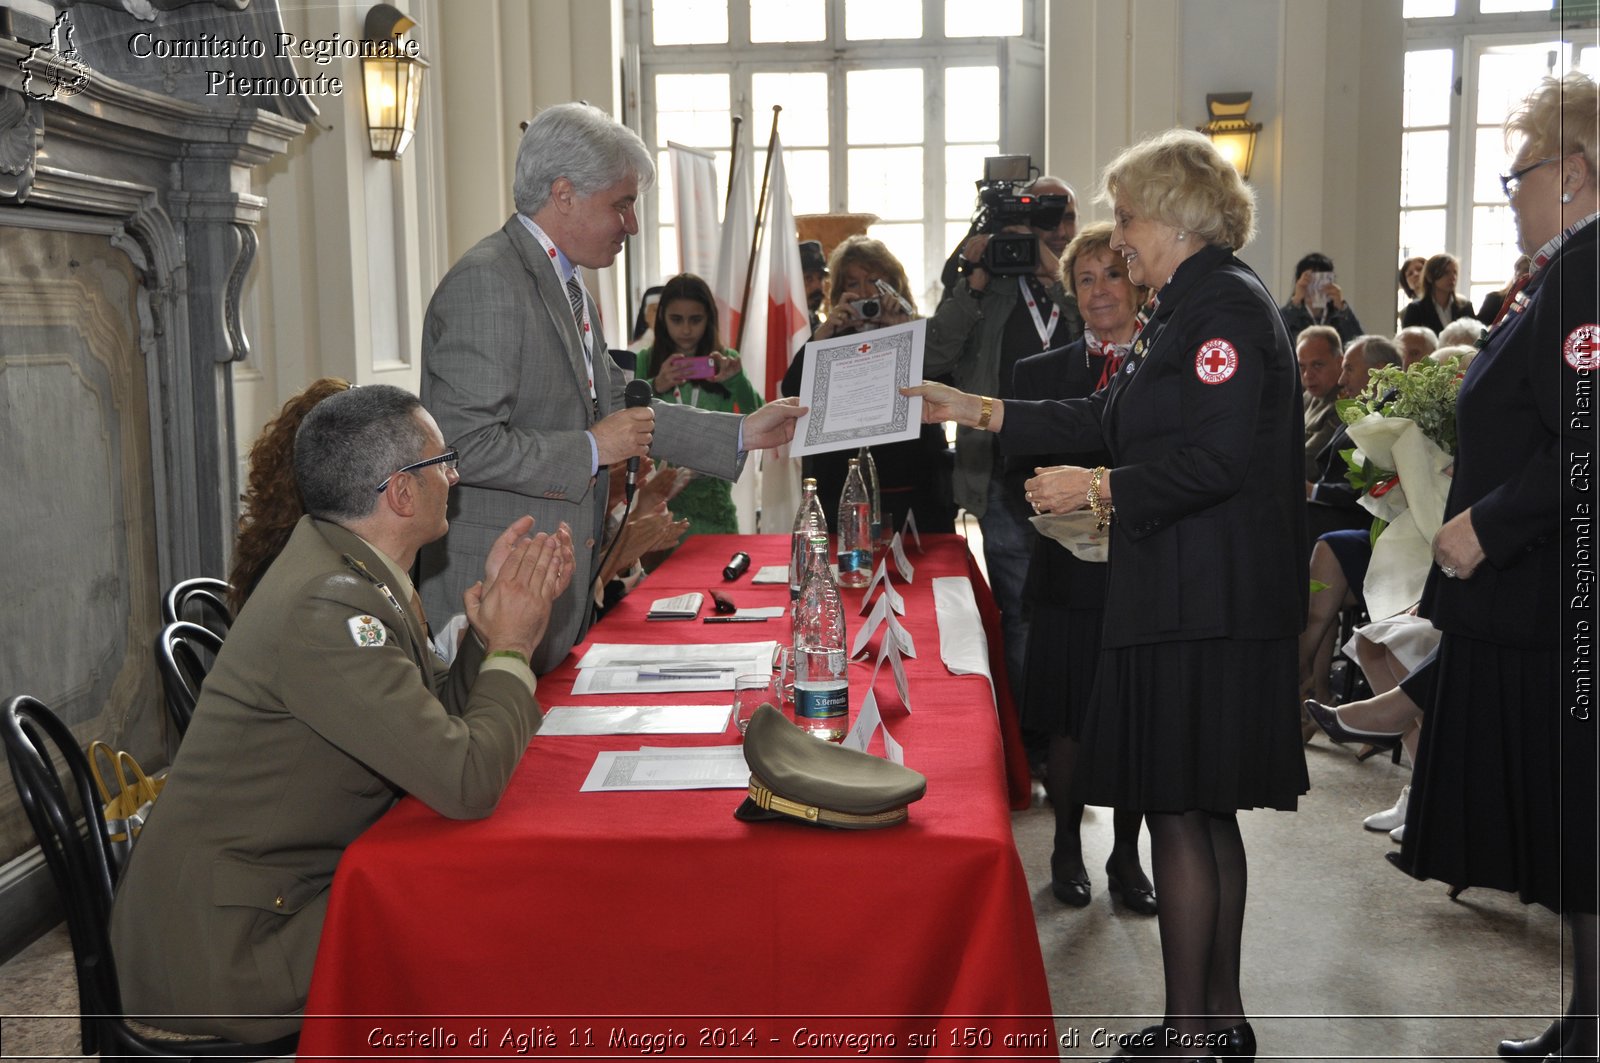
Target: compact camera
point(869, 309)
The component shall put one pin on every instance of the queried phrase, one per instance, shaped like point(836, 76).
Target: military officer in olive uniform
point(326, 704)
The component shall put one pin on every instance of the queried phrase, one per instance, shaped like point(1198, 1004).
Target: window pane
point(886, 182)
point(1424, 168)
point(689, 21)
point(1489, 160)
point(692, 109)
point(1498, 7)
point(1507, 74)
point(1585, 61)
point(906, 243)
point(991, 18)
point(666, 256)
point(955, 234)
point(963, 167)
point(804, 99)
point(778, 21)
point(1421, 233)
point(877, 106)
point(669, 207)
point(1428, 8)
point(972, 103)
point(866, 20)
point(1494, 246)
point(808, 178)
point(1428, 81)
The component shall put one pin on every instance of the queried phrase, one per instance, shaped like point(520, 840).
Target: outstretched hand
point(941, 402)
point(773, 424)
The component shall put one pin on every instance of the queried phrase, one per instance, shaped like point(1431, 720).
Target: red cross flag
point(1216, 362)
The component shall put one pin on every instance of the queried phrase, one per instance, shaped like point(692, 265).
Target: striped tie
point(575, 297)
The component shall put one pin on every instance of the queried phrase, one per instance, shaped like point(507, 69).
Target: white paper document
point(635, 719)
point(616, 668)
point(851, 386)
point(771, 574)
point(710, 768)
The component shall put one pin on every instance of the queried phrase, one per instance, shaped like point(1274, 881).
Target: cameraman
point(977, 335)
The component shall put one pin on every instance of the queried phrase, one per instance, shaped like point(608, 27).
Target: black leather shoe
point(1236, 1042)
point(1324, 717)
point(1138, 901)
point(1074, 891)
point(1543, 1045)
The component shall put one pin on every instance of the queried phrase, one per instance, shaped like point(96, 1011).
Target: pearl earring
point(1566, 197)
point(1183, 235)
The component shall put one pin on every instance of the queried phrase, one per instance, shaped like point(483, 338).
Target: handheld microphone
point(637, 393)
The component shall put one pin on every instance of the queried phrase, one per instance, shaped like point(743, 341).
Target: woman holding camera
point(687, 364)
point(914, 474)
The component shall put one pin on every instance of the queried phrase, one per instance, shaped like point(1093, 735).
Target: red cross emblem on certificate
point(1582, 348)
point(1216, 362)
point(864, 348)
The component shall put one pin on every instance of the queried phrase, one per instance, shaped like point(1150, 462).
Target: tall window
point(888, 107)
point(1467, 64)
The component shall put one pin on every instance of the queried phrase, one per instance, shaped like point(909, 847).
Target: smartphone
point(1317, 290)
point(699, 368)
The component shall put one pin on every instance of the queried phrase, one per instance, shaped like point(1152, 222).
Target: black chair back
point(200, 598)
point(185, 653)
point(65, 815)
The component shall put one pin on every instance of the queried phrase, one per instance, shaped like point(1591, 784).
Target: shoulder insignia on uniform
point(367, 630)
point(1581, 348)
point(1216, 361)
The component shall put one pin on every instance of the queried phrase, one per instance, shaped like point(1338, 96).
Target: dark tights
point(1585, 984)
point(1201, 876)
point(1066, 862)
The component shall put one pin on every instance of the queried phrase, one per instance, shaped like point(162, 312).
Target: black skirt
point(1207, 724)
point(1503, 795)
point(1063, 652)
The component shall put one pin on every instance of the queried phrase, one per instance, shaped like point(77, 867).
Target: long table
point(593, 925)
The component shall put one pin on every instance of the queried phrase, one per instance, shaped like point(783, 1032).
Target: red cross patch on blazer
point(1582, 348)
point(1216, 362)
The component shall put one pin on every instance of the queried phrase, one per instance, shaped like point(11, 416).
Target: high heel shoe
point(1544, 1044)
point(1327, 719)
point(1136, 900)
point(1073, 891)
point(1236, 1042)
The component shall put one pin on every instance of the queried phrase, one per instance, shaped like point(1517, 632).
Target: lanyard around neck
point(1045, 331)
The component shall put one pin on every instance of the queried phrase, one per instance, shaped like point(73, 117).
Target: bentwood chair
point(65, 815)
point(202, 597)
point(185, 653)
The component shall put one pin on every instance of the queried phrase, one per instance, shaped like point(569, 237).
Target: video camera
point(1002, 202)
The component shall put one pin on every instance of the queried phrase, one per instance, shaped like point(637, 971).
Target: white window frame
point(836, 57)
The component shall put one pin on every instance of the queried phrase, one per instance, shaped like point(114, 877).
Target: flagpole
point(755, 233)
point(733, 163)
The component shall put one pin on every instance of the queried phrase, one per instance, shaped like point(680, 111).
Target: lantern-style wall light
point(391, 74)
point(1231, 130)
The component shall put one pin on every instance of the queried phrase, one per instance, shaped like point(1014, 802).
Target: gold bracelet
point(1101, 508)
point(988, 410)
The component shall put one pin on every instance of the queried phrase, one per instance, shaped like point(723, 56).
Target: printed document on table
point(635, 719)
point(618, 668)
point(851, 385)
point(711, 768)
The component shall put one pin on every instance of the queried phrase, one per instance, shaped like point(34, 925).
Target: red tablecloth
point(589, 924)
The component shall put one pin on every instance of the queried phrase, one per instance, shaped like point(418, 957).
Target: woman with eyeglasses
point(1503, 795)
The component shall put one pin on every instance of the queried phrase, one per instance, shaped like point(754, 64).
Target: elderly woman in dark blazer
point(1503, 794)
point(1193, 713)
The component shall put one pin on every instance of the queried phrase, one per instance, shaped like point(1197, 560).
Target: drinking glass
point(749, 693)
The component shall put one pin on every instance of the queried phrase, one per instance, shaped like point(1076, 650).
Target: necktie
point(575, 297)
point(422, 614)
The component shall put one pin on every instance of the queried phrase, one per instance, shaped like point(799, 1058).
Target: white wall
point(1325, 77)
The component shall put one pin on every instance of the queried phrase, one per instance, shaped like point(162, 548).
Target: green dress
point(707, 502)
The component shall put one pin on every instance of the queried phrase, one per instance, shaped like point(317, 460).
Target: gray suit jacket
point(503, 373)
point(303, 737)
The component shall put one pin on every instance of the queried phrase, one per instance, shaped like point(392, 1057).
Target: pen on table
point(735, 619)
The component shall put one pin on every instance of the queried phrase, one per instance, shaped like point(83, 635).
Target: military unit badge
point(367, 630)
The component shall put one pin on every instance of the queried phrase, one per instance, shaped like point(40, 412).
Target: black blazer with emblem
point(1205, 429)
point(1525, 421)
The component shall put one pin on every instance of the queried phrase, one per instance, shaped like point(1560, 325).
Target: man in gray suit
point(517, 372)
point(326, 704)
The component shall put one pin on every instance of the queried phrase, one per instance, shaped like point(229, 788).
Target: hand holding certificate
point(851, 385)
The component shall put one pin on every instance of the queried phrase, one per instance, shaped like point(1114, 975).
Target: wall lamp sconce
point(391, 74)
point(1231, 130)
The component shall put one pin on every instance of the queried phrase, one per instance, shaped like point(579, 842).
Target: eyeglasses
point(1512, 181)
point(449, 459)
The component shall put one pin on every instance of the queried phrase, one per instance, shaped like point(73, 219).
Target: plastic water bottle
point(869, 473)
point(855, 530)
point(808, 522)
point(821, 688)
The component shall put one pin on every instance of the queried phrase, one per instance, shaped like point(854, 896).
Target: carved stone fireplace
point(126, 232)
